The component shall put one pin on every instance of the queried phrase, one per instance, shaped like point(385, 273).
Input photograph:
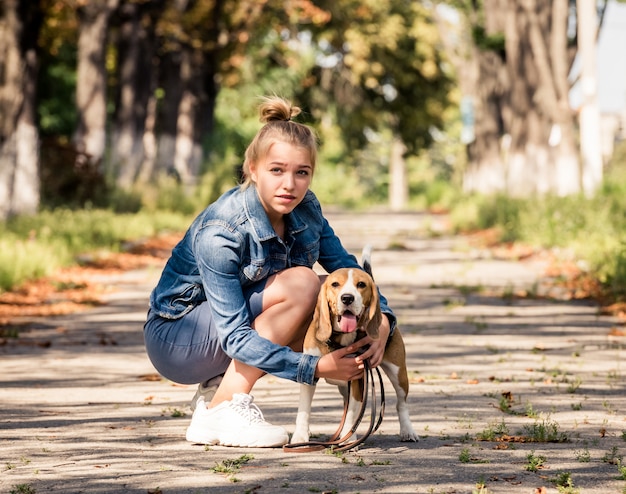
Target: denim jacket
point(231, 245)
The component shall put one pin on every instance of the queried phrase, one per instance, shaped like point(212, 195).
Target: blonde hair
point(276, 113)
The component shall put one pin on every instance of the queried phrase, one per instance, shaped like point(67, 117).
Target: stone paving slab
point(80, 410)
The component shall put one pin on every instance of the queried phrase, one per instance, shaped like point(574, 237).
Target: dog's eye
point(334, 284)
point(361, 284)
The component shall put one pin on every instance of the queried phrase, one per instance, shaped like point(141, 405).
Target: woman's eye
point(303, 173)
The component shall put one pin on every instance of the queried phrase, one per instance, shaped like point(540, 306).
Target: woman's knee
point(302, 283)
point(299, 285)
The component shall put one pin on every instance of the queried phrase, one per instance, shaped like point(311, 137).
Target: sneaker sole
point(258, 443)
point(200, 437)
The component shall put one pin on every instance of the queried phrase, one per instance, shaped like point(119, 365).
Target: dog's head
point(348, 301)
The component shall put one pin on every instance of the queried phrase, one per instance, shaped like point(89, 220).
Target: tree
point(91, 79)
point(20, 22)
point(382, 68)
point(134, 115)
point(194, 46)
point(590, 147)
point(524, 130)
point(141, 78)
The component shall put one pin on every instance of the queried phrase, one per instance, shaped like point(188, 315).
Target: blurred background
point(121, 119)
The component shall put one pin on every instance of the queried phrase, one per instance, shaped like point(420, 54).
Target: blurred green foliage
point(57, 87)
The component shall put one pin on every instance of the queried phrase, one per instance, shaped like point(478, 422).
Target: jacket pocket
point(305, 255)
point(255, 270)
point(187, 298)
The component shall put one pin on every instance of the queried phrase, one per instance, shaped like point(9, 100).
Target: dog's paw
point(299, 437)
point(409, 435)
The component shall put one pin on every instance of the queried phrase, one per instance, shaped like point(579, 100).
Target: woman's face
point(282, 178)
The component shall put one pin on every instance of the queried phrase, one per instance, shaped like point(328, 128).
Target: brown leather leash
point(337, 443)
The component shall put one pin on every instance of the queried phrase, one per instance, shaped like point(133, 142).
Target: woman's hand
point(344, 366)
point(376, 351)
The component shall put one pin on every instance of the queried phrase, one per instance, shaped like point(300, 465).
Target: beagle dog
point(348, 308)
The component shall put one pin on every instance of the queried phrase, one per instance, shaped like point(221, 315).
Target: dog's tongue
point(347, 323)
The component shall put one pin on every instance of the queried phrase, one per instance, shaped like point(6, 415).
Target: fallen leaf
point(72, 289)
point(150, 377)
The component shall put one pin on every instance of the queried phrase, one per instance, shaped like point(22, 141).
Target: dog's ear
point(374, 315)
point(321, 318)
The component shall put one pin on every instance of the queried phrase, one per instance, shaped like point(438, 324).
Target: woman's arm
point(218, 252)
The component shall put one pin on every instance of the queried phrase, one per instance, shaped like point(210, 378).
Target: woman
point(236, 296)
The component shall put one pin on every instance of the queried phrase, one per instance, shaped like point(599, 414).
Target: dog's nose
point(347, 299)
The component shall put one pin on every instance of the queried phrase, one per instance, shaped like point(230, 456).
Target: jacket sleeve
point(220, 277)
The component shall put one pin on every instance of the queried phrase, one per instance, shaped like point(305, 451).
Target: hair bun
point(275, 108)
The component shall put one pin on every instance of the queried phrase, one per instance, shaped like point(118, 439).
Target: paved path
point(80, 411)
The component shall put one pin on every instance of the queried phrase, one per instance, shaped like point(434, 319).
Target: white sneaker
point(237, 422)
point(206, 390)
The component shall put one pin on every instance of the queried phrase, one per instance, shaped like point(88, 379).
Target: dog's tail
point(366, 259)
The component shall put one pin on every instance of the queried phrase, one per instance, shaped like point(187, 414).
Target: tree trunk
point(525, 142)
point(545, 22)
point(188, 150)
point(91, 80)
point(488, 151)
point(590, 141)
point(198, 74)
point(167, 115)
point(19, 138)
point(485, 171)
point(136, 50)
point(150, 141)
point(398, 182)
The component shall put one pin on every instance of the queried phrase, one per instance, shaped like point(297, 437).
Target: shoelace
point(248, 410)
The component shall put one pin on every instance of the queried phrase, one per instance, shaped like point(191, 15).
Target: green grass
point(593, 230)
point(21, 259)
point(544, 431)
point(22, 489)
point(36, 246)
point(534, 462)
point(564, 483)
point(231, 467)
